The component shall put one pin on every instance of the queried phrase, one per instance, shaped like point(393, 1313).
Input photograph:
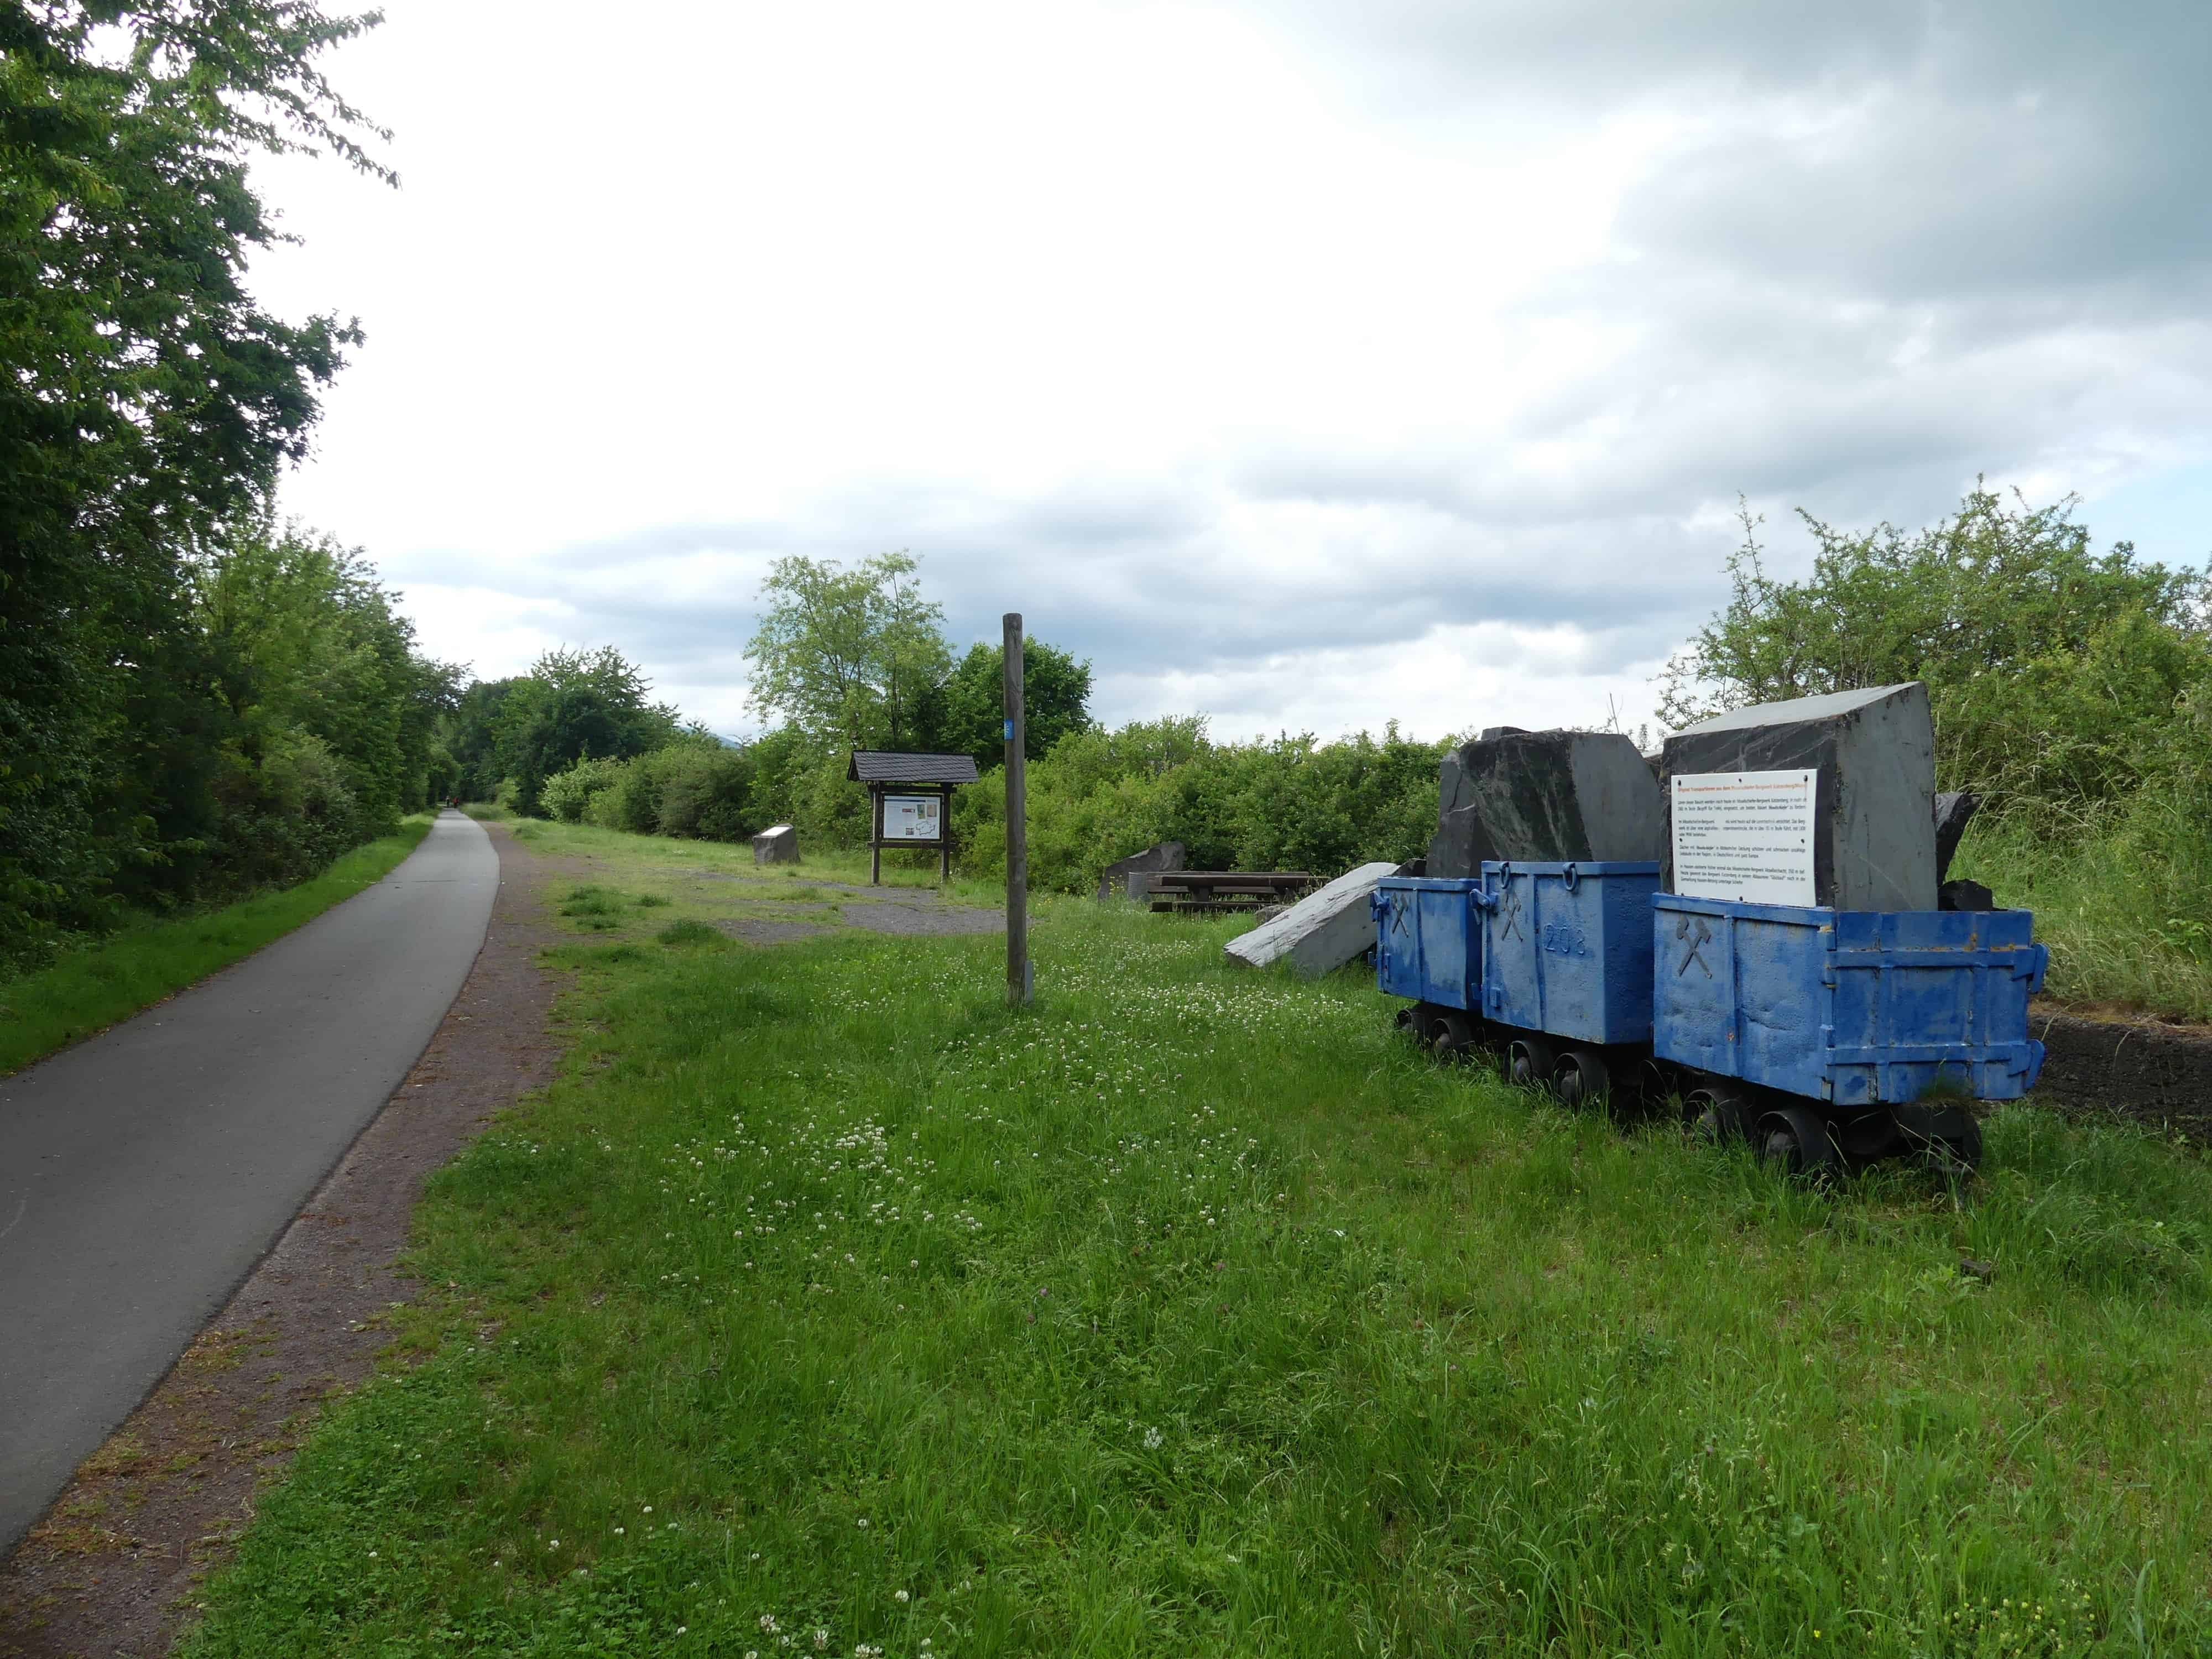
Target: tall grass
point(94, 987)
point(2119, 899)
point(825, 1305)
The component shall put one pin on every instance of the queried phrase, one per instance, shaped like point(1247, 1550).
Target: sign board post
point(910, 803)
point(1020, 987)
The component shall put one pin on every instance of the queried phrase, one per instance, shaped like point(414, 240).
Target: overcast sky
point(1307, 364)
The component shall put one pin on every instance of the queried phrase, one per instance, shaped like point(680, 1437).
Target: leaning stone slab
point(1114, 882)
point(778, 844)
point(1323, 930)
point(1873, 829)
point(1545, 796)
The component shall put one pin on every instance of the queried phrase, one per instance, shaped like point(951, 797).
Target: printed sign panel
point(1745, 836)
point(913, 817)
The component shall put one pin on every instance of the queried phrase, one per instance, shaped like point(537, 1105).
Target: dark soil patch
point(2144, 1070)
point(112, 1568)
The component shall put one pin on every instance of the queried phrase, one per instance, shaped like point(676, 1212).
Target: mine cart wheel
point(1716, 1114)
point(1967, 1147)
point(1451, 1034)
point(1944, 1133)
point(1797, 1142)
point(1958, 1153)
point(1530, 1061)
point(1581, 1078)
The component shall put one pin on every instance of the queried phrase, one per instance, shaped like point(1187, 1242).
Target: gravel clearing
point(934, 920)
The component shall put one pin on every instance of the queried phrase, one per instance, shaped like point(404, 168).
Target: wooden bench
point(1210, 892)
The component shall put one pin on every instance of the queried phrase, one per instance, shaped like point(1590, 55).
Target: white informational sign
point(1745, 836)
point(913, 817)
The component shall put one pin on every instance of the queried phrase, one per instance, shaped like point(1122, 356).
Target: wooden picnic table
point(1222, 890)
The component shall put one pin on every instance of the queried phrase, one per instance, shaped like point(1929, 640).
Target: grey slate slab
point(1954, 810)
point(1544, 795)
point(1874, 809)
point(1323, 930)
point(1114, 882)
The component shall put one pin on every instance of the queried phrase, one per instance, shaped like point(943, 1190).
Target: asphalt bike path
point(145, 1172)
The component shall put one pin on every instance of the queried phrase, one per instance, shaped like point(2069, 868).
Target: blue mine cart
point(1553, 962)
point(1827, 1037)
point(1834, 1036)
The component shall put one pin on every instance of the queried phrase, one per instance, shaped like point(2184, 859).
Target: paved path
point(143, 1173)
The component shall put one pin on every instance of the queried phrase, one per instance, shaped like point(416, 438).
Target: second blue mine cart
point(1829, 1034)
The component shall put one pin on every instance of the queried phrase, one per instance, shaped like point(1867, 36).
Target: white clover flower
point(901, 1595)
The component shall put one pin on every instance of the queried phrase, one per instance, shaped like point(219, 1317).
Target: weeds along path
point(825, 1305)
point(145, 1172)
point(112, 1568)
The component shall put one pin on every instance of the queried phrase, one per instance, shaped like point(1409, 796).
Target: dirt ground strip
point(111, 1569)
point(2152, 1072)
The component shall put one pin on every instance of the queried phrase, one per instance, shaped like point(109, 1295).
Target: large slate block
point(1954, 810)
point(1544, 796)
point(1114, 882)
point(778, 844)
point(1873, 844)
point(1323, 930)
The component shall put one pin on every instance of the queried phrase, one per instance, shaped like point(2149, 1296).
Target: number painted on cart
point(1564, 939)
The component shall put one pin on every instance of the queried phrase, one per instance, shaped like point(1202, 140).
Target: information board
point(913, 817)
point(1745, 836)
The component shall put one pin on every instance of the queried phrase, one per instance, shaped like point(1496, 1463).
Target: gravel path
point(925, 921)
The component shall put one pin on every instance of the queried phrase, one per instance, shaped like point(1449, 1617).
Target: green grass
point(2114, 939)
point(90, 988)
point(1196, 1313)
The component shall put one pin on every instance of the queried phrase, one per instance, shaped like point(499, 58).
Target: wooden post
point(876, 836)
point(944, 837)
point(1020, 984)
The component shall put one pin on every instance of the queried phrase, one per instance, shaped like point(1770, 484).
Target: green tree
point(849, 657)
point(470, 736)
point(575, 705)
point(2055, 673)
point(148, 402)
point(967, 711)
point(304, 638)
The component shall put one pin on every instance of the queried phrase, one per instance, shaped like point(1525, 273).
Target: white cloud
point(1310, 363)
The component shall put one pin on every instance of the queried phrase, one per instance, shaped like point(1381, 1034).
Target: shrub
point(567, 795)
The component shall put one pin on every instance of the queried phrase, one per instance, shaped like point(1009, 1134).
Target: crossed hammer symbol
point(1512, 916)
point(1705, 937)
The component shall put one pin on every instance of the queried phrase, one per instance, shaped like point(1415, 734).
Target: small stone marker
point(1864, 764)
point(1322, 930)
point(778, 844)
point(1545, 796)
point(1114, 882)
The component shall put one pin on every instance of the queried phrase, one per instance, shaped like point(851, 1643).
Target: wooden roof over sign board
point(889, 766)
